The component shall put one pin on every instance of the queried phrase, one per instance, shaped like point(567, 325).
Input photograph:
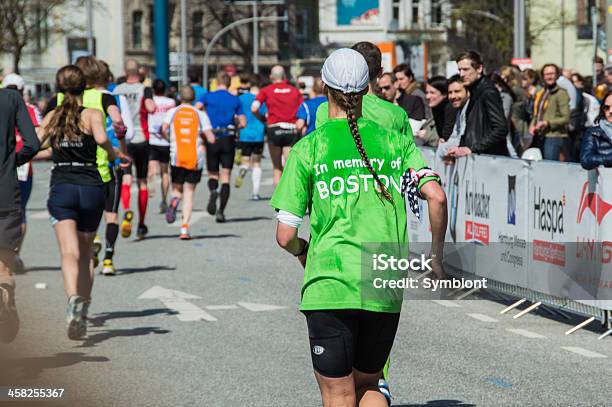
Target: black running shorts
point(181, 175)
point(10, 230)
point(220, 153)
point(140, 156)
point(343, 340)
point(249, 148)
point(277, 136)
point(159, 153)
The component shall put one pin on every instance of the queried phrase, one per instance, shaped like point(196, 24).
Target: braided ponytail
point(349, 103)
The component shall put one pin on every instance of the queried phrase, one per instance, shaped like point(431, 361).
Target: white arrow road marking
point(220, 307)
point(259, 307)
point(177, 301)
point(446, 303)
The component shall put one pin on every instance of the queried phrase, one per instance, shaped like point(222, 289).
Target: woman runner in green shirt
point(348, 173)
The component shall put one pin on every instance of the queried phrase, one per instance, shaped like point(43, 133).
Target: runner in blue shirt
point(198, 89)
point(251, 139)
point(224, 111)
point(308, 110)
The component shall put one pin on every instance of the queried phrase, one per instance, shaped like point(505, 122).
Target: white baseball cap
point(14, 80)
point(345, 70)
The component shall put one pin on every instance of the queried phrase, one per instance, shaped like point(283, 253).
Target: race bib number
point(23, 171)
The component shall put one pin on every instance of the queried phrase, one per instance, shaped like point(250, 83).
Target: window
point(42, 29)
point(583, 19)
point(152, 26)
point(436, 12)
point(197, 29)
point(415, 11)
point(396, 10)
point(137, 29)
point(301, 25)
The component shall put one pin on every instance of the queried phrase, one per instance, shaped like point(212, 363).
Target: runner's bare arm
point(300, 125)
point(45, 152)
point(242, 122)
point(209, 136)
point(287, 238)
point(436, 204)
point(96, 123)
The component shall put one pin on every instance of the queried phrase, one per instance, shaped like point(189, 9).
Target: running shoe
point(185, 233)
point(108, 269)
point(77, 327)
point(383, 387)
point(97, 248)
point(238, 156)
point(126, 225)
point(9, 319)
point(171, 211)
point(220, 217)
point(212, 203)
point(256, 197)
point(163, 207)
point(240, 178)
point(86, 309)
point(142, 231)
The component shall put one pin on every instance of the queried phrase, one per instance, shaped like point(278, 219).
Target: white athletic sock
point(256, 176)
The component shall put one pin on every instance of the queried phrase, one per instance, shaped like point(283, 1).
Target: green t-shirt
point(374, 108)
point(324, 172)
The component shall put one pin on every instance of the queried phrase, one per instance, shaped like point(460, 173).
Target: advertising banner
point(362, 12)
point(545, 226)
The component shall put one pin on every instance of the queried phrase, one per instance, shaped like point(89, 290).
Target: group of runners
point(98, 136)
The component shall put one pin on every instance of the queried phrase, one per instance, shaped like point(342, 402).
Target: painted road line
point(220, 307)
point(195, 217)
point(526, 333)
point(583, 352)
point(39, 215)
point(446, 303)
point(259, 307)
point(482, 317)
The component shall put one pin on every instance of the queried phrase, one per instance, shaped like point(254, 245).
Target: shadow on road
point(131, 270)
point(96, 338)
point(438, 403)
point(32, 367)
point(252, 219)
point(100, 319)
point(197, 237)
point(42, 268)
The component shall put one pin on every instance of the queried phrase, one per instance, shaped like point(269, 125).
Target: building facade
point(565, 36)
point(413, 31)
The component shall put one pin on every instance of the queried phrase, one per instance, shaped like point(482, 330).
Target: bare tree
point(23, 23)
point(238, 41)
point(488, 26)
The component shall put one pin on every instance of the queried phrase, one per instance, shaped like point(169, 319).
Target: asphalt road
point(254, 349)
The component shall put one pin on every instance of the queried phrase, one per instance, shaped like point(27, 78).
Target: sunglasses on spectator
point(607, 108)
point(386, 87)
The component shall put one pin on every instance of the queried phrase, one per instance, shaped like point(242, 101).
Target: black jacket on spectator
point(486, 127)
point(413, 105)
point(444, 115)
point(14, 114)
point(596, 149)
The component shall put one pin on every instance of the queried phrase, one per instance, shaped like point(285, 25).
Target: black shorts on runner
point(341, 340)
point(180, 175)
point(249, 148)
point(112, 192)
point(277, 136)
point(140, 156)
point(159, 153)
point(220, 154)
point(10, 230)
point(82, 203)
